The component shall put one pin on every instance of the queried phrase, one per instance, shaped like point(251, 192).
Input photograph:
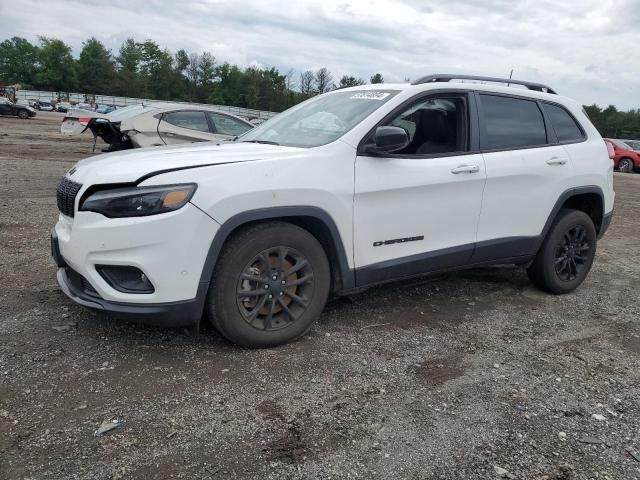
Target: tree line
point(146, 70)
point(612, 123)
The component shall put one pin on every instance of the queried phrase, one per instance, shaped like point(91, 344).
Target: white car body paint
point(370, 199)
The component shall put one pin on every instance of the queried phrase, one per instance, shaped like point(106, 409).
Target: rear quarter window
point(566, 128)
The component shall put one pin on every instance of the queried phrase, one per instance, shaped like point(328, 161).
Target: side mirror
point(389, 139)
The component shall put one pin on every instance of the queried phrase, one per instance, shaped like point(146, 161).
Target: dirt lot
point(447, 377)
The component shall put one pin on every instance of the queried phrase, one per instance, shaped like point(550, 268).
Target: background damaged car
point(139, 126)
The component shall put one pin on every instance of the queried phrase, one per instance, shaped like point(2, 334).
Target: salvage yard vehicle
point(45, 106)
point(634, 144)
point(625, 159)
point(350, 189)
point(155, 125)
point(7, 107)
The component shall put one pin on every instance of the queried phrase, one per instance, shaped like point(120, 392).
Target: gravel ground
point(473, 375)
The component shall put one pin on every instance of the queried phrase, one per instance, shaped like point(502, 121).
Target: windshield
point(634, 144)
point(128, 112)
point(320, 120)
point(621, 144)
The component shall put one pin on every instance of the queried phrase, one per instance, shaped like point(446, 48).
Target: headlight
point(138, 201)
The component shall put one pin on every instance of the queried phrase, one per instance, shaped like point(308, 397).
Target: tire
point(566, 254)
point(252, 266)
point(23, 114)
point(625, 165)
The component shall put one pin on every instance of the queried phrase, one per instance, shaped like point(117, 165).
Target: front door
point(417, 210)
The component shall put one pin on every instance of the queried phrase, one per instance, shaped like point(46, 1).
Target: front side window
point(434, 126)
point(191, 119)
point(320, 120)
point(511, 123)
point(226, 125)
point(566, 128)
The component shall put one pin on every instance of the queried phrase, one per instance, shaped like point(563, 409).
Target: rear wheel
point(625, 165)
point(566, 255)
point(269, 286)
point(23, 114)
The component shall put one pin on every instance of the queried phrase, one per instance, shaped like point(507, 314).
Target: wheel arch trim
point(347, 276)
point(562, 199)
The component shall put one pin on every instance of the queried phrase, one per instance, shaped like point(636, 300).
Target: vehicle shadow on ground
point(439, 301)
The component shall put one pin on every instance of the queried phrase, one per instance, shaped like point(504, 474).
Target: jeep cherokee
point(346, 190)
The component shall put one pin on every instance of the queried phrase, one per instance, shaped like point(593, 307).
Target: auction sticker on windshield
point(370, 95)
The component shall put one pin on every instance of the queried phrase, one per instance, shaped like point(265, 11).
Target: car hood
point(128, 166)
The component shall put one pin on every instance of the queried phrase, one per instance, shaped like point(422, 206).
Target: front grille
point(66, 196)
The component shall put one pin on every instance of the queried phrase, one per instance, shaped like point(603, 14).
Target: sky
point(584, 49)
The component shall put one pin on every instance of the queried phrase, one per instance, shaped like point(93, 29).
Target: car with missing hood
point(139, 126)
point(350, 189)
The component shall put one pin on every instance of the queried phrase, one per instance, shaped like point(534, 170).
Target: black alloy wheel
point(275, 288)
point(566, 254)
point(269, 285)
point(572, 254)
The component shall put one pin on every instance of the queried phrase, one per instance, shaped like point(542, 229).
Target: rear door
point(184, 126)
point(527, 171)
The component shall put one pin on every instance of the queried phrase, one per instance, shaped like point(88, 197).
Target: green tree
point(377, 78)
point(350, 81)
point(56, 66)
point(129, 58)
point(18, 59)
point(96, 68)
point(155, 69)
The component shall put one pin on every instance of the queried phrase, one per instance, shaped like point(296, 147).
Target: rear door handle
point(168, 134)
point(556, 161)
point(466, 169)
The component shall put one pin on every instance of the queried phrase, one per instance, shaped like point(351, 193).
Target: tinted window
point(564, 125)
point(511, 122)
point(193, 120)
point(226, 125)
point(434, 126)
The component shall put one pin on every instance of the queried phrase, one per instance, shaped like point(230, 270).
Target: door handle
point(466, 169)
point(556, 161)
point(168, 134)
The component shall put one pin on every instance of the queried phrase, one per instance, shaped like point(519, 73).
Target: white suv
point(349, 189)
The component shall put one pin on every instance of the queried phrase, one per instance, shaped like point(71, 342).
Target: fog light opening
point(125, 279)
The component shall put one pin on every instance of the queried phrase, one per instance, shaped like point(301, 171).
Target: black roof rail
point(446, 77)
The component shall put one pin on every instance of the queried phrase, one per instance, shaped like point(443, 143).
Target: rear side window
point(191, 119)
point(511, 123)
point(227, 125)
point(566, 128)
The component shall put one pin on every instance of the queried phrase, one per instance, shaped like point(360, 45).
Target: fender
point(273, 213)
point(566, 195)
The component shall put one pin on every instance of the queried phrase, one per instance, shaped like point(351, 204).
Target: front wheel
point(269, 286)
point(625, 165)
point(566, 254)
point(23, 114)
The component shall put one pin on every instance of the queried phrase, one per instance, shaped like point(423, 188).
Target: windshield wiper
point(266, 142)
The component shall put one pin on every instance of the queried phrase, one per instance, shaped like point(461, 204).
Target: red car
point(625, 159)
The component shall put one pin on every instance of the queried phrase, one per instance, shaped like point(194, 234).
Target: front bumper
point(170, 249)
point(167, 315)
